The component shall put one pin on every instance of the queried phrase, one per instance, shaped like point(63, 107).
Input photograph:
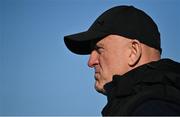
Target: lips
point(96, 74)
point(96, 70)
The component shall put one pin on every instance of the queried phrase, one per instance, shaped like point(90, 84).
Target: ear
point(135, 52)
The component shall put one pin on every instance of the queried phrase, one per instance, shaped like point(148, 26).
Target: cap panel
point(126, 21)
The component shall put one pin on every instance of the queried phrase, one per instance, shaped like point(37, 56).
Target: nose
point(93, 59)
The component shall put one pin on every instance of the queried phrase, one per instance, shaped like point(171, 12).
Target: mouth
point(96, 71)
point(96, 75)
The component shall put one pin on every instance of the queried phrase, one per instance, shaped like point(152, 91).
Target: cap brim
point(80, 43)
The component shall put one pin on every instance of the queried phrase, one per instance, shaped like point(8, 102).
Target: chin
point(100, 89)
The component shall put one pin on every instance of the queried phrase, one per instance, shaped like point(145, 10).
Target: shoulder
point(157, 107)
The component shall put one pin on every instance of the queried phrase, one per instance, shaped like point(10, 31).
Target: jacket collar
point(151, 73)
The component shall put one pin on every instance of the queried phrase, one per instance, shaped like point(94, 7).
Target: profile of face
point(110, 57)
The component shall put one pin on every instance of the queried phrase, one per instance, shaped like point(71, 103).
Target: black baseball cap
point(126, 21)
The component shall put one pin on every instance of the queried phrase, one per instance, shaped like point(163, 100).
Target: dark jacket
point(151, 89)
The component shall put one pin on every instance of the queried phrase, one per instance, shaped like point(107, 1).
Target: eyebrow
point(96, 44)
point(100, 44)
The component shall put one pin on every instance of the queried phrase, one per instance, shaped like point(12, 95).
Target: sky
point(39, 75)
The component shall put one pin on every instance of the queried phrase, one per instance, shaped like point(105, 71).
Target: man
point(124, 48)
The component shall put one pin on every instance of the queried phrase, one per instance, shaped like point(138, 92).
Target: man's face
point(109, 57)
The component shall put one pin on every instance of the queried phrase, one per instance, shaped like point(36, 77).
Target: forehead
point(112, 40)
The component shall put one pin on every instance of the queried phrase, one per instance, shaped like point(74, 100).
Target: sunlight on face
point(109, 58)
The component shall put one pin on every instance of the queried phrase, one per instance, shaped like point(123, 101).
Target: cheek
point(118, 63)
point(105, 68)
point(107, 65)
point(105, 61)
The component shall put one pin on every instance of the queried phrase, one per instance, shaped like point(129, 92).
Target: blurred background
point(39, 75)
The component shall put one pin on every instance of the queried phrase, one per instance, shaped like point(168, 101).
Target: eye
point(99, 49)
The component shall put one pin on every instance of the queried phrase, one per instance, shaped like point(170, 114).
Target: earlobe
point(135, 53)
